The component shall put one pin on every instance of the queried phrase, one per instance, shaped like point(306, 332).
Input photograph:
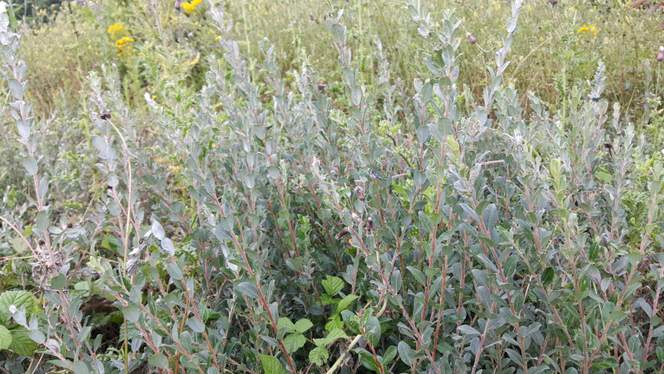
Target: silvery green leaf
point(406, 354)
point(174, 271)
point(643, 304)
point(30, 165)
point(131, 313)
point(42, 189)
point(490, 216)
point(42, 221)
point(247, 289)
point(195, 325)
point(105, 150)
point(23, 128)
point(468, 330)
point(113, 180)
point(167, 246)
point(16, 89)
point(157, 230)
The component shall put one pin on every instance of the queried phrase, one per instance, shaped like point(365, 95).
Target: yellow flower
point(115, 30)
point(190, 6)
point(124, 43)
point(587, 28)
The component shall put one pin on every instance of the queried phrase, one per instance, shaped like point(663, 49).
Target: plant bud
point(471, 38)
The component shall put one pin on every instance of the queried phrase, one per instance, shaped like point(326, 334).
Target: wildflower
point(190, 6)
point(471, 38)
point(587, 28)
point(660, 54)
point(124, 43)
point(116, 30)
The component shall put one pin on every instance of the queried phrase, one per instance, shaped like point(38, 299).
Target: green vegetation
point(331, 186)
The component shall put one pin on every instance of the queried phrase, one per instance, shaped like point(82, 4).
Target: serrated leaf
point(271, 365)
point(331, 337)
point(19, 299)
point(319, 356)
point(346, 302)
point(293, 342)
point(5, 337)
point(303, 325)
point(21, 343)
point(285, 324)
point(332, 285)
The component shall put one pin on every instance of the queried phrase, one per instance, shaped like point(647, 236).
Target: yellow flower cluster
point(190, 6)
point(587, 28)
point(124, 42)
point(118, 32)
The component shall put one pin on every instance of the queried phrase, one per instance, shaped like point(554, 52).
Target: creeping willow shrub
point(296, 230)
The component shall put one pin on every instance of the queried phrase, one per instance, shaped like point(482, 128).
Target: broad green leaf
point(332, 285)
point(21, 342)
point(271, 365)
point(19, 299)
point(285, 324)
point(5, 337)
point(346, 302)
point(335, 322)
point(331, 337)
point(293, 342)
point(303, 325)
point(319, 356)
